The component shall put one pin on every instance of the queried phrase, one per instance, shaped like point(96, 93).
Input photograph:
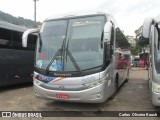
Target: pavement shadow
point(70, 106)
point(17, 86)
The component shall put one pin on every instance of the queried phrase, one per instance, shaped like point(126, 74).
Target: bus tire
point(116, 83)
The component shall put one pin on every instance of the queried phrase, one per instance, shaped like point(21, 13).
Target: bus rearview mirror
point(107, 31)
point(146, 27)
point(25, 36)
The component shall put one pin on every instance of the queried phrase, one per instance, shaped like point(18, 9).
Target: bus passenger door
point(109, 60)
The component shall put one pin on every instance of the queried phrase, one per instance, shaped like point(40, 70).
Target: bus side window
point(5, 38)
point(158, 45)
point(32, 42)
point(158, 56)
point(112, 42)
point(158, 41)
point(17, 40)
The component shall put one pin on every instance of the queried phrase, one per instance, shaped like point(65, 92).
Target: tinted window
point(32, 42)
point(5, 38)
point(157, 50)
point(121, 40)
point(17, 41)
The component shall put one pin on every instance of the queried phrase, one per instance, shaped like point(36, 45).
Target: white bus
point(75, 59)
point(151, 32)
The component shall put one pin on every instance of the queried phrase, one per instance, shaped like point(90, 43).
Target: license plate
point(62, 96)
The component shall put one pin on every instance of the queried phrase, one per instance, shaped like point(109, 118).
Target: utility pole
point(35, 11)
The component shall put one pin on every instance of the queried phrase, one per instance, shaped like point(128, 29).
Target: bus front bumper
point(91, 95)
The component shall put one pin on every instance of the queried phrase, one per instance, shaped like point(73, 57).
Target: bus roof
point(77, 14)
point(13, 27)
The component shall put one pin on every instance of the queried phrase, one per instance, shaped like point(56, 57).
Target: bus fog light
point(156, 87)
point(37, 82)
point(99, 95)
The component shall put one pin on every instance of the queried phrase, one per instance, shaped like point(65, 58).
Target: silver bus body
point(89, 87)
point(151, 33)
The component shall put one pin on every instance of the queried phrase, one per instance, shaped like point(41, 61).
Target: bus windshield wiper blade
point(74, 62)
point(58, 53)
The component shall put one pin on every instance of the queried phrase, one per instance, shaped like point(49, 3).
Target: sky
point(129, 14)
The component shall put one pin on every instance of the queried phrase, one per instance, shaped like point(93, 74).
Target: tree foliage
point(135, 50)
point(142, 43)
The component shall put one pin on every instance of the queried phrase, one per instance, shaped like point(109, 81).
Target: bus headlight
point(94, 83)
point(37, 82)
point(156, 87)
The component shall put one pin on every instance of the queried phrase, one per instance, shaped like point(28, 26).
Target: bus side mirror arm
point(25, 36)
point(146, 28)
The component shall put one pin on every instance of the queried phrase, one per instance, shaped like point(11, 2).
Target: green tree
point(134, 50)
point(17, 21)
point(142, 43)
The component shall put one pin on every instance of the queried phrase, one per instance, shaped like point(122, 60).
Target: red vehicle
point(127, 58)
point(119, 63)
point(124, 59)
point(143, 60)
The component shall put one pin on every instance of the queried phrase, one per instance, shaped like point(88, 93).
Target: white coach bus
point(75, 59)
point(151, 32)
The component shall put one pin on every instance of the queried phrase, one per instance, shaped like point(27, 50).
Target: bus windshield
point(157, 52)
point(71, 44)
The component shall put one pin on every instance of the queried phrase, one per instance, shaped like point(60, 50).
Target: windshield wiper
point(74, 62)
point(58, 53)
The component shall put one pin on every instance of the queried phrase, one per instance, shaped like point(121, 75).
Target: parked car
point(135, 62)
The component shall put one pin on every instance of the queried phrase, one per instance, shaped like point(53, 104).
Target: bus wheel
point(116, 83)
